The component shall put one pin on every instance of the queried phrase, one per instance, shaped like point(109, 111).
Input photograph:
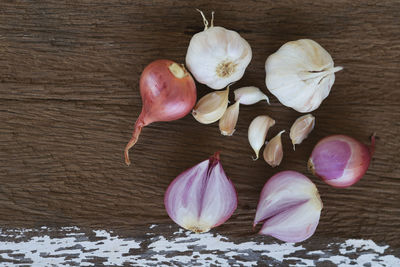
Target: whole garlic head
point(300, 74)
point(217, 57)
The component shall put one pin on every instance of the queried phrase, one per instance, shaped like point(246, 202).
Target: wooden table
point(69, 96)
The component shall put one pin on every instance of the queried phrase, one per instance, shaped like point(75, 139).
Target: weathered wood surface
point(69, 96)
point(170, 246)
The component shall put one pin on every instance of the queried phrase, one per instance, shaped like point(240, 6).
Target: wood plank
point(166, 246)
point(95, 50)
point(69, 96)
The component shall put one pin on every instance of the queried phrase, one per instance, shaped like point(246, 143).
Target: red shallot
point(340, 160)
point(168, 93)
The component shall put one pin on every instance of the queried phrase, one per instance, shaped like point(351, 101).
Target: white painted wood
point(72, 246)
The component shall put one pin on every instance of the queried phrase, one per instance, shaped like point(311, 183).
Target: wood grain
point(69, 96)
point(162, 245)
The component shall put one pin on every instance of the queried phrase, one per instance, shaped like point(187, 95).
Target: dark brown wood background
point(69, 96)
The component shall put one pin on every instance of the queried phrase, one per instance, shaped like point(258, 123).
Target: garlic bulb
point(300, 74)
point(216, 56)
point(228, 121)
point(249, 95)
point(301, 128)
point(211, 107)
point(258, 130)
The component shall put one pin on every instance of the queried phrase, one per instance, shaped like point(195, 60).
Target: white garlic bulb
point(216, 56)
point(300, 74)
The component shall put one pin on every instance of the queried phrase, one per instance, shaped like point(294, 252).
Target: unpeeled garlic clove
point(211, 107)
point(228, 121)
point(289, 207)
point(258, 132)
point(273, 152)
point(249, 95)
point(201, 197)
point(301, 128)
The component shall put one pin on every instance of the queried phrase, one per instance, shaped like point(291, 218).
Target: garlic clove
point(201, 197)
point(258, 132)
point(273, 152)
point(217, 56)
point(228, 121)
point(289, 207)
point(249, 95)
point(301, 128)
point(300, 74)
point(211, 107)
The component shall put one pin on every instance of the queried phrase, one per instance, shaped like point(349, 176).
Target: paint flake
point(183, 247)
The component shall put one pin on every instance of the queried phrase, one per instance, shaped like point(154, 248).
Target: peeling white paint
point(83, 249)
point(352, 245)
point(46, 251)
point(366, 251)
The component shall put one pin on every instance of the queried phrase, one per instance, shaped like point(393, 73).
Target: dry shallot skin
point(202, 197)
point(154, 92)
point(340, 160)
point(289, 207)
point(168, 93)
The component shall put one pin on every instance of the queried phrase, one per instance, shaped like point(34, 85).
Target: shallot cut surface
point(289, 207)
point(201, 197)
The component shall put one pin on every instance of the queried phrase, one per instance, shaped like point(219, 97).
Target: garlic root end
point(205, 21)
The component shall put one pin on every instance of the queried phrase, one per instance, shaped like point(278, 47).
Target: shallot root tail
point(216, 155)
point(135, 136)
point(372, 146)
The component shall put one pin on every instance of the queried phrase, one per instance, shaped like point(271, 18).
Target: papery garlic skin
point(201, 197)
point(217, 57)
point(273, 152)
point(289, 207)
point(300, 74)
point(301, 128)
point(258, 132)
point(249, 95)
point(211, 107)
point(229, 120)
